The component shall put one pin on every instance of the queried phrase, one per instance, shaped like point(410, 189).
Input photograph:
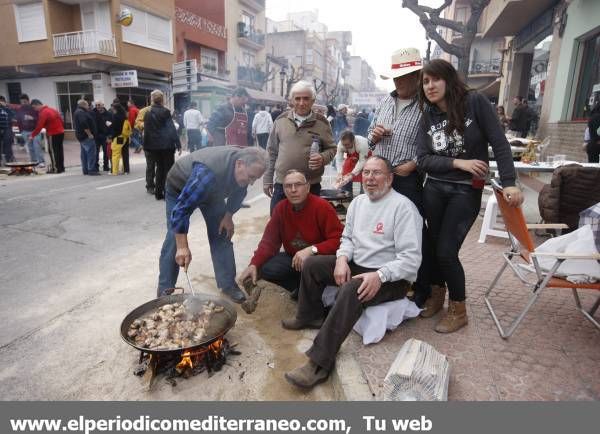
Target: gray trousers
point(317, 273)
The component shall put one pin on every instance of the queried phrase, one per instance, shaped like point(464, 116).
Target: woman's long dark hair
point(456, 93)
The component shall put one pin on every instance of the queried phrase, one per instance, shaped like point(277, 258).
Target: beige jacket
point(289, 146)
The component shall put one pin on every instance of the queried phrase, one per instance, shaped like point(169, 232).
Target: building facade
point(60, 51)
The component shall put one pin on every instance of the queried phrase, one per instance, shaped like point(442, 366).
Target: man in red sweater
point(50, 119)
point(305, 224)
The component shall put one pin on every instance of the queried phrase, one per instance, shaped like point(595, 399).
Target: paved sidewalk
point(553, 355)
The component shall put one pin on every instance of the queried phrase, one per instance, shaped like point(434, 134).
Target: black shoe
point(296, 324)
point(150, 190)
point(235, 294)
point(159, 195)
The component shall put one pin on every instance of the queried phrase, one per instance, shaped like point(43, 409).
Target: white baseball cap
point(403, 61)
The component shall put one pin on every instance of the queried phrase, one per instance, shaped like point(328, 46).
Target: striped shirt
point(401, 146)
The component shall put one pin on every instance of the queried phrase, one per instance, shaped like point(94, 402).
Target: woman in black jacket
point(452, 148)
point(160, 141)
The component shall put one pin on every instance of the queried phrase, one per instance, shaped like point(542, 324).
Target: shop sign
point(124, 78)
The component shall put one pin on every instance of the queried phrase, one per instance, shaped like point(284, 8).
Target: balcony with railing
point(84, 42)
point(251, 77)
point(211, 71)
point(250, 37)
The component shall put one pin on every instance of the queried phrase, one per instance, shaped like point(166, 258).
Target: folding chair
point(522, 246)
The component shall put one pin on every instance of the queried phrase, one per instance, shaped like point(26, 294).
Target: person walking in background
point(150, 163)
point(160, 140)
point(361, 124)
point(193, 121)
point(341, 122)
point(6, 134)
point(453, 150)
point(228, 124)
point(103, 120)
point(85, 132)
point(51, 120)
point(26, 120)
point(518, 121)
point(276, 112)
point(261, 127)
point(121, 131)
point(330, 115)
point(135, 139)
point(502, 118)
point(593, 146)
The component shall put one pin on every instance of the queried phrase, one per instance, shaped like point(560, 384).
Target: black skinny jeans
point(450, 210)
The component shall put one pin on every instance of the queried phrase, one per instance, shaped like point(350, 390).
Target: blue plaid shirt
point(195, 191)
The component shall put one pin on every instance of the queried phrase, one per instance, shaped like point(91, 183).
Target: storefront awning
point(259, 96)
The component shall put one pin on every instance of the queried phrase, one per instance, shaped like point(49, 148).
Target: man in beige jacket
point(290, 141)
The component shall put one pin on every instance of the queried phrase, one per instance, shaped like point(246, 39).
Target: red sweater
point(132, 113)
point(316, 224)
point(50, 119)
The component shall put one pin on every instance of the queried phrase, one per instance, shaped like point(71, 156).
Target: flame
point(189, 359)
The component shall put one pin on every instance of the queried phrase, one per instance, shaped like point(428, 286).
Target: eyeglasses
point(294, 185)
point(372, 172)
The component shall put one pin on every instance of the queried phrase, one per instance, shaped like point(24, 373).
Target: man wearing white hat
point(392, 134)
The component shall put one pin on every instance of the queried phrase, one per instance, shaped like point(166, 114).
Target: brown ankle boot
point(434, 303)
point(455, 319)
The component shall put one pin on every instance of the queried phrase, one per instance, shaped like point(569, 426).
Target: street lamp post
point(282, 76)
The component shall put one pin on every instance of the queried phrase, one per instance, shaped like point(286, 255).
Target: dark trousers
point(279, 271)
point(57, 154)
point(150, 169)
point(279, 195)
point(411, 186)
point(101, 143)
point(450, 210)
point(125, 156)
point(194, 141)
point(164, 159)
point(262, 140)
point(6, 142)
point(317, 273)
point(593, 152)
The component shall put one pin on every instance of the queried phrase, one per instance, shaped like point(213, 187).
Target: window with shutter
point(31, 22)
point(149, 31)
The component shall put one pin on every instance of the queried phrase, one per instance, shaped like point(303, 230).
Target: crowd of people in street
point(420, 157)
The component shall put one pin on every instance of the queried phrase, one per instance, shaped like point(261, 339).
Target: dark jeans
point(411, 186)
point(88, 156)
point(262, 140)
point(279, 195)
point(450, 210)
point(279, 271)
point(57, 154)
point(317, 273)
point(6, 142)
point(221, 247)
point(150, 169)
point(194, 139)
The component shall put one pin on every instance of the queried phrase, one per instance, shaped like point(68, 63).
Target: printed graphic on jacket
point(449, 145)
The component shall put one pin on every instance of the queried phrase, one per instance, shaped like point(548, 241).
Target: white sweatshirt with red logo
point(384, 235)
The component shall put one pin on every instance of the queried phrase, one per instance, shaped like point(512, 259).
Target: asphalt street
point(77, 254)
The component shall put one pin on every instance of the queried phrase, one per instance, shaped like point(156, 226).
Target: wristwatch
point(314, 250)
point(381, 276)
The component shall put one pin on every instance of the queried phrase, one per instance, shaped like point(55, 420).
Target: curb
point(347, 378)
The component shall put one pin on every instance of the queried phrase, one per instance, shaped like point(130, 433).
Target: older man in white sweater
point(378, 258)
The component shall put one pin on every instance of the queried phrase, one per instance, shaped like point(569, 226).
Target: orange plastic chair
point(522, 246)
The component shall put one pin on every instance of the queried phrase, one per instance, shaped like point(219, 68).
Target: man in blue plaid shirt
point(214, 180)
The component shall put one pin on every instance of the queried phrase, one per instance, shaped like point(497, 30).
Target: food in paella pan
point(174, 326)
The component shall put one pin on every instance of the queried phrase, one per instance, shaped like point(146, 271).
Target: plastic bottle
point(315, 147)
